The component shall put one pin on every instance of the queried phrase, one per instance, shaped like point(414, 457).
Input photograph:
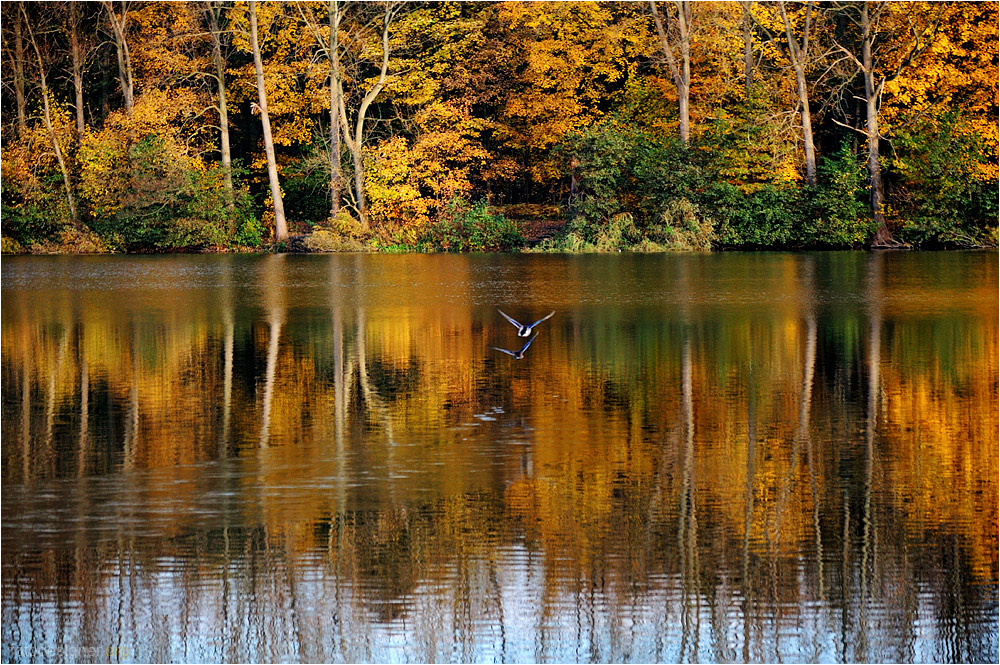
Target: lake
point(754, 457)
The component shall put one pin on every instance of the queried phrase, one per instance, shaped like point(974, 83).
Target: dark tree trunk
point(220, 74)
point(47, 117)
point(22, 115)
point(76, 51)
point(882, 236)
point(118, 27)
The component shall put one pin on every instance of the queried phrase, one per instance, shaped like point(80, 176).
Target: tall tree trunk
point(335, 85)
point(220, 74)
point(872, 91)
point(47, 116)
point(356, 143)
point(684, 21)
point(22, 115)
point(921, 38)
point(679, 61)
point(747, 48)
point(118, 27)
point(798, 56)
point(76, 51)
point(807, 131)
point(280, 226)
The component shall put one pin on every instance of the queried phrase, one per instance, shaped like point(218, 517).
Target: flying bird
point(518, 355)
point(523, 330)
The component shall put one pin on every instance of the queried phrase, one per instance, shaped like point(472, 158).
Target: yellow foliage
point(576, 55)
point(105, 154)
point(958, 70)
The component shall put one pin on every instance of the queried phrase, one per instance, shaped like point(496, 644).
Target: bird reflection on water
point(517, 355)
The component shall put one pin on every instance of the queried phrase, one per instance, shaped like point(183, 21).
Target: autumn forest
point(465, 126)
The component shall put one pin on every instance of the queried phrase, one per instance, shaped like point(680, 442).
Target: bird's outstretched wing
point(509, 353)
point(544, 318)
point(528, 343)
point(514, 321)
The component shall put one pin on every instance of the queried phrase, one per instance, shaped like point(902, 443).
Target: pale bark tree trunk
point(118, 27)
point(47, 116)
point(747, 48)
point(76, 52)
point(280, 226)
point(213, 10)
point(335, 175)
point(355, 144)
point(678, 55)
point(19, 83)
point(798, 55)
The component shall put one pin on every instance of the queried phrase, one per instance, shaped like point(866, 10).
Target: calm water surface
point(732, 457)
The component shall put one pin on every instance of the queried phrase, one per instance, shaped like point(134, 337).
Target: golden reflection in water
point(321, 458)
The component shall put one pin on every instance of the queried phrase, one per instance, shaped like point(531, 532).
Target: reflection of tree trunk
point(273, 275)
point(132, 431)
point(805, 401)
point(687, 535)
point(748, 510)
point(845, 571)
point(83, 442)
point(81, 576)
point(802, 431)
point(498, 600)
point(817, 531)
point(874, 362)
point(339, 406)
point(227, 381)
point(272, 362)
point(50, 402)
point(372, 399)
point(26, 418)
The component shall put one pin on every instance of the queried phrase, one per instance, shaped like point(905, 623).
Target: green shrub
point(768, 216)
point(33, 211)
point(472, 228)
point(327, 240)
point(947, 194)
point(10, 246)
point(249, 233)
point(683, 226)
point(841, 215)
point(618, 234)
